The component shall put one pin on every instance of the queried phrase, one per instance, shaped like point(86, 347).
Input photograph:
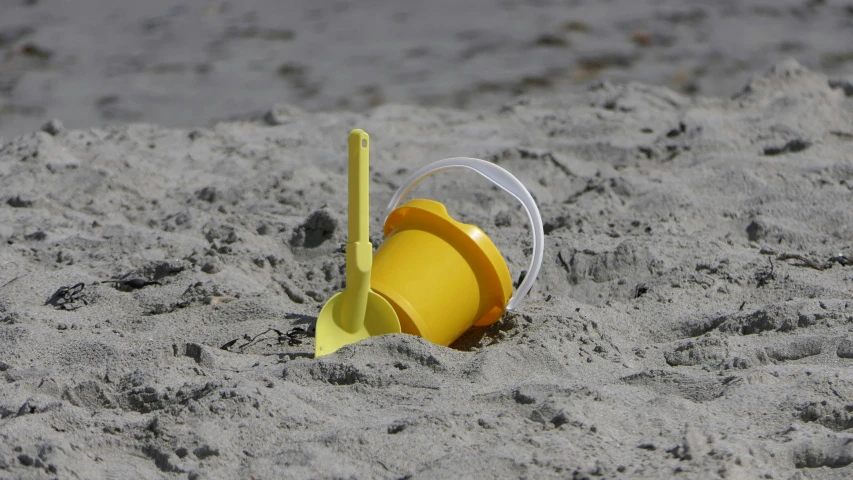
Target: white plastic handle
point(508, 183)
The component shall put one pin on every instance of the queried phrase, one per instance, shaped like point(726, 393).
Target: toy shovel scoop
point(357, 312)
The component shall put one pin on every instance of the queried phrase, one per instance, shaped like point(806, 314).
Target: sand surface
point(693, 315)
point(181, 63)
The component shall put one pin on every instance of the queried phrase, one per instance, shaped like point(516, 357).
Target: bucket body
point(441, 276)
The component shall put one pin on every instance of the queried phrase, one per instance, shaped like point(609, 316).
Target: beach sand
point(187, 64)
point(693, 315)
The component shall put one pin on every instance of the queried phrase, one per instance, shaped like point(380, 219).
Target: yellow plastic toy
point(357, 312)
point(440, 275)
point(443, 276)
point(432, 276)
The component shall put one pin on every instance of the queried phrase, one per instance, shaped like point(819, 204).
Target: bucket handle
point(508, 183)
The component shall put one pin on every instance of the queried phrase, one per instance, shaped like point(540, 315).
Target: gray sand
point(186, 63)
point(693, 315)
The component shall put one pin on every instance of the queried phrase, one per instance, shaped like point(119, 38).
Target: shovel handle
point(359, 249)
point(359, 180)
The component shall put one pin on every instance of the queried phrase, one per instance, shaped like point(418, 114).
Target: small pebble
point(53, 127)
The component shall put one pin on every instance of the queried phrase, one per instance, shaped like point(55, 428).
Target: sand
point(693, 316)
point(167, 241)
point(189, 63)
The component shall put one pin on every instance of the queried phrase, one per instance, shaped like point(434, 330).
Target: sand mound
point(693, 313)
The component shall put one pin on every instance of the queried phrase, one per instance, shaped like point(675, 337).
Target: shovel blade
point(379, 319)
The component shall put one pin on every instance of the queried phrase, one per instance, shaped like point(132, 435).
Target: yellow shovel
point(357, 312)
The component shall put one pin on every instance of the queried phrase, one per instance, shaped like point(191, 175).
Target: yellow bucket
point(441, 276)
